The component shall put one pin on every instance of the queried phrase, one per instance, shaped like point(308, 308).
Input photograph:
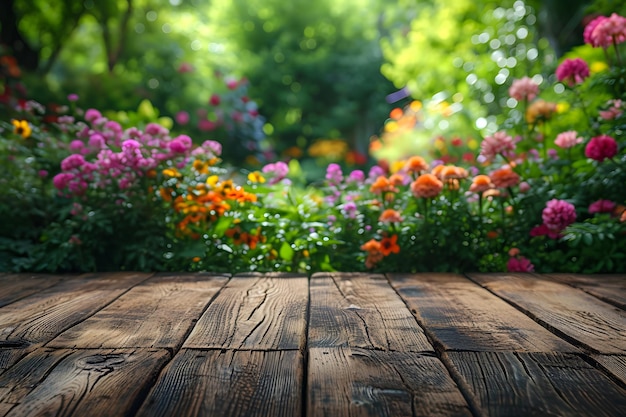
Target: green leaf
point(286, 252)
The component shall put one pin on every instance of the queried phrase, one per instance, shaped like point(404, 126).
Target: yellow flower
point(22, 128)
point(212, 180)
point(256, 177)
point(171, 172)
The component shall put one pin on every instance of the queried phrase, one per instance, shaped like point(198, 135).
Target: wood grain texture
point(42, 316)
point(361, 310)
point(538, 384)
point(91, 383)
point(17, 286)
point(255, 312)
point(463, 316)
point(580, 317)
point(358, 382)
point(156, 313)
point(228, 383)
point(609, 288)
point(614, 365)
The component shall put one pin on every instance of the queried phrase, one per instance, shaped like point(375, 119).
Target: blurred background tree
point(270, 78)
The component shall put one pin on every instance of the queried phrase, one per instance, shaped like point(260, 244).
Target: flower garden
point(545, 192)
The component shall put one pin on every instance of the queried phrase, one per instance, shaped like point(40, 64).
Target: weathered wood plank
point(358, 382)
point(42, 316)
point(609, 288)
point(538, 384)
point(614, 365)
point(9, 356)
point(88, 382)
point(461, 315)
point(576, 315)
point(228, 383)
point(17, 286)
point(361, 310)
point(255, 312)
point(156, 313)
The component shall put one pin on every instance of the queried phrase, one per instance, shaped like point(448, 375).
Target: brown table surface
point(334, 344)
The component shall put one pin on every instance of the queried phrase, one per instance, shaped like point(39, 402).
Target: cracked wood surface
point(334, 344)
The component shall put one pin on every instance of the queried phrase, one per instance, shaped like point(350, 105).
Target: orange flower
point(426, 186)
point(397, 179)
point(390, 216)
point(436, 171)
point(371, 245)
point(415, 164)
point(504, 177)
point(539, 111)
point(481, 183)
point(389, 245)
point(382, 185)
point(452, 172)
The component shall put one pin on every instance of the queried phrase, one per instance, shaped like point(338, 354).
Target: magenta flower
point(519, 264)
point(558, 214)
point(601, 147)
point(602, 206)
point(180, 144)
point(491, 146)
point(567, 139)
point(572, 71)
point(72, 162)
point(72, 97)
point(215, 100)
point(61, 180)
point(524, 89)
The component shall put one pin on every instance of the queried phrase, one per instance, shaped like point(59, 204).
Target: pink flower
point(185, 67)
point(491, 146)
point(206, 125)
point(524, 89)
point(558, 214)
point(601, 206)
point(613, 112)
point(590, 28)
point(76, 145)
point(278, 170)
point(606, 31)
point(601, 147)
point(519, 264)
point(72, 97)
point(572, 71)
point(567, 139)
point(73, 161)
point(356, 176)
point(61, 180)
point(91, 115)
point(334, 174)
point(182, 117)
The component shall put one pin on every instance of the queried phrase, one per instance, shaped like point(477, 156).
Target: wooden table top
point(340, 344)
